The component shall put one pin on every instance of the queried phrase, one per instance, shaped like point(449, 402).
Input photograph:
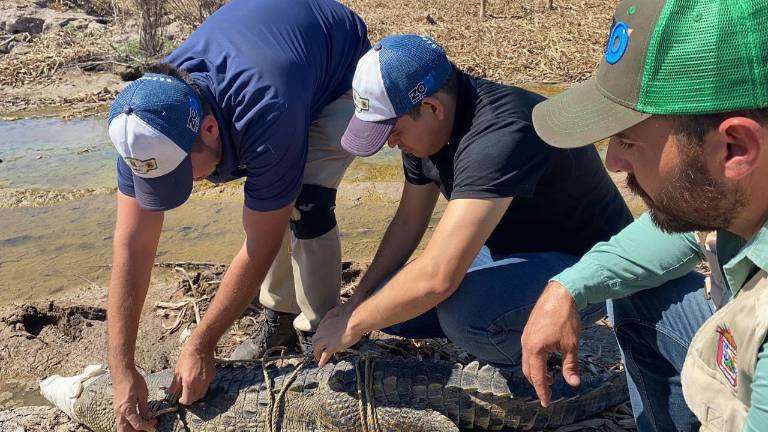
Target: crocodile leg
point(411, 420)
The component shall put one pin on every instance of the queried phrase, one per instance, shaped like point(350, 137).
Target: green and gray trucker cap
point(665, 57)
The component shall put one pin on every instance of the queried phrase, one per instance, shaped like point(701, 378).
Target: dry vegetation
point(518, 42)
point(51, 53)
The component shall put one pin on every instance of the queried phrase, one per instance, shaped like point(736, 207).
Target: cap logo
point(418, 93)
point(193, 122)
point(141, 166)
point(361, 103)
point(618, 42)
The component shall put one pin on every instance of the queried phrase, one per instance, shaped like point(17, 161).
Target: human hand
point(129, 401)
point(334, 334)
point(195, 370)
point(553, 326)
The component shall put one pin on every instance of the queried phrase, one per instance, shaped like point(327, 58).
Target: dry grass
point(114, 8)
point(52, 53)
point(192, 12)
point(518, 42)
point(151, 14)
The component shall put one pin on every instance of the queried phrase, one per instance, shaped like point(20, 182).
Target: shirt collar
point(753, 254)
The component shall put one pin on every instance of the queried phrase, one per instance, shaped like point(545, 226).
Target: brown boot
point(276, 330)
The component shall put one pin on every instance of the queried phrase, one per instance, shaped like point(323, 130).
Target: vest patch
point(726, 355)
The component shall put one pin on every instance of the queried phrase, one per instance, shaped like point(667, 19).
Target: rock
point(96, 27)
point(21, 48)
point(26, 24)
point(7, 48)
point(175, 30)
point(67, 23)
point(37, 418)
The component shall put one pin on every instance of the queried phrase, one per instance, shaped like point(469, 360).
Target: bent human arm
point(401, 238)
point(438, 271)
point(264, 235)
point(423, 283)
point(136, 236)
point(641, 256)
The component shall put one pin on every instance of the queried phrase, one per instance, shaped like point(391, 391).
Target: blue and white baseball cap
point(390, 80)
point(153, 124)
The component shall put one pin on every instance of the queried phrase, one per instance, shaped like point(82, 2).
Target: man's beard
point(692, 200)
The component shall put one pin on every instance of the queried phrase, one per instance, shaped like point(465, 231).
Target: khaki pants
point(305, 277)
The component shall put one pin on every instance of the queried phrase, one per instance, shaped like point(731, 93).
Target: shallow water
point(49, 249)
point(55, 153)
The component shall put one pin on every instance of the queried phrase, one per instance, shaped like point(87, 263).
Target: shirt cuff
point(581, 280)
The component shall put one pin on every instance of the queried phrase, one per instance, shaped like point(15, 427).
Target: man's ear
point(210, 128)
point(435, 105)
point(743, 139)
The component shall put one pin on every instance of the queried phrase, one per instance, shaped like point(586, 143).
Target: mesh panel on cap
point(408, 61)
point(707, 56)
point(164, 103)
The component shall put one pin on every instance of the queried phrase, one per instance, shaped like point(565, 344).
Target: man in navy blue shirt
point(260, 90)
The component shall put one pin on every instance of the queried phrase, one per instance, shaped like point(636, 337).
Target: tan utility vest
point(720, 364)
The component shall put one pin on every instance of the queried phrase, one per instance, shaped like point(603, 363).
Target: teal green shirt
point(643, 257)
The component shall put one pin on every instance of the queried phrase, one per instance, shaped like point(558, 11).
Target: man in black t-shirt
point(519, 210)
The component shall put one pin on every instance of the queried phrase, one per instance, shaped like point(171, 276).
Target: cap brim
point(166, 192)
point(363, 138)
point(581, 116)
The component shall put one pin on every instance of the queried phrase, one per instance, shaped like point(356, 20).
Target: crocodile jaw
point(63, 392)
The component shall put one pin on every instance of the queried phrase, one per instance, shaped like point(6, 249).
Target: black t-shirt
point(564, 200)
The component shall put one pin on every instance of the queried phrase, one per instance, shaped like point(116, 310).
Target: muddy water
point(50, 249)
point(51, 153)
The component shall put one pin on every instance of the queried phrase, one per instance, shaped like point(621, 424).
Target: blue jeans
point(488, 312)
point(654, 328)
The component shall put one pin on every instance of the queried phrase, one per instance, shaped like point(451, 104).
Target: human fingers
point(325, 358)
point(571, 367)
point(540, 378)
point(172, 392)
point(139, 423)
point(318, 345)
point(122, 425)
point(190, 392)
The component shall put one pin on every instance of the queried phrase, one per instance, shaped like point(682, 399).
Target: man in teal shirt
point(682, 91)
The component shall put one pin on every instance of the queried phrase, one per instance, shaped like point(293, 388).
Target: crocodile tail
point(470, 396)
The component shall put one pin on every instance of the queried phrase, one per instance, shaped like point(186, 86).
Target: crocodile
point(353, 394)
